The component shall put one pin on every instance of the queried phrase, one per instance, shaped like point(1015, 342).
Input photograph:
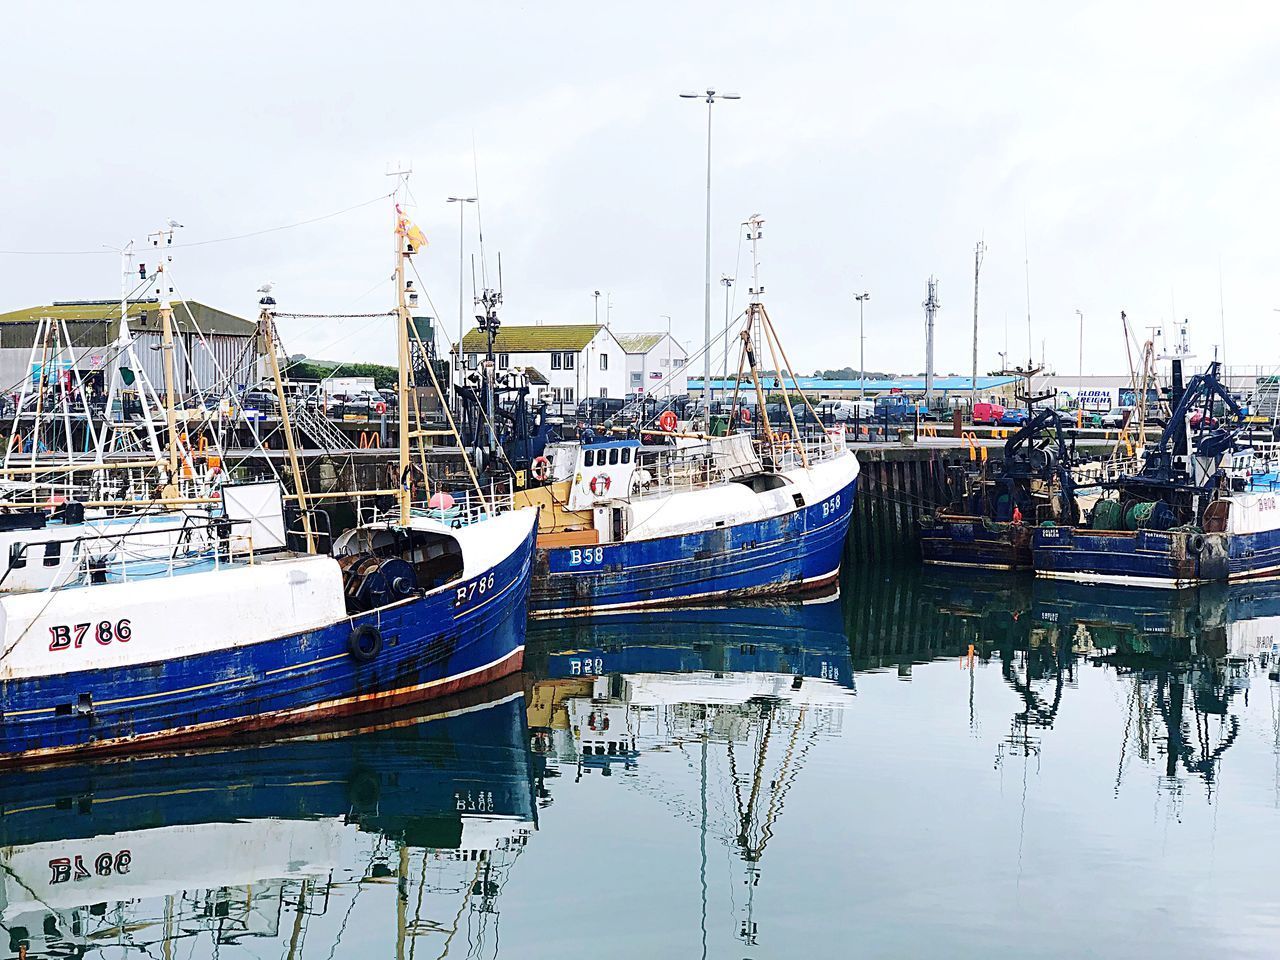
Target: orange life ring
point(600, 484)
point(380, 407)
point(540, 468)
point(668, 421)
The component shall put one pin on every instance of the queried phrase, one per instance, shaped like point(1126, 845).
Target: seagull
point(174, 223)
point(266, 287)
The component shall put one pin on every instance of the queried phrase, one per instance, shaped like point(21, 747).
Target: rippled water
point(925, 766)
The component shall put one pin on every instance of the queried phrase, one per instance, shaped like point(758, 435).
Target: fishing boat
point(204, 849)
point(625, 524)
point(990, 525)
point(241, 633)
point(1196, 510)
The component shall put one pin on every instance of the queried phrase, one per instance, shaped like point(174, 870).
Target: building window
point(504, 361)
point(568, 361)
point(636, 377)
point(678, 362)
point(604, 361)
point(473, 360)
point(604, 392)
point(555, 361)
point(568, 394)
point(666, 362)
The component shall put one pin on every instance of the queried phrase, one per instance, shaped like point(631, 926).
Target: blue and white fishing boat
point(626, 525)
point(238, 633)
point(1198, 510)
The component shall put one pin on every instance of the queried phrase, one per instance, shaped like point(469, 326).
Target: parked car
point(987, 413)
point(1115, 418)
point(599, 409)
point(261, 400)
point(1012, 417)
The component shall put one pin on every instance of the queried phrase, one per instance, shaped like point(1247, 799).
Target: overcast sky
point(1132, 150)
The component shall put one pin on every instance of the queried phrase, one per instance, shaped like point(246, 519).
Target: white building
point(576, 360)
point(655, 364)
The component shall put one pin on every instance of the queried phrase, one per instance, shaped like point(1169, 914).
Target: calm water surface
point(925, 766)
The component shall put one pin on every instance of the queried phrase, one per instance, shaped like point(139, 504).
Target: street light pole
point(596, 295)
point(1080, 382)
point(457, 377)
point(862, 298)
point(728, 285)
point(711, 97)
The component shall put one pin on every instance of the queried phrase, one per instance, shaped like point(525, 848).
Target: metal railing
point(105, 558)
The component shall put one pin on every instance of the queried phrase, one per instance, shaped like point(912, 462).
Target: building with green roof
point(215, 351)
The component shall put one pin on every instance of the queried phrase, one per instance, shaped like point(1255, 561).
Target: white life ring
point(600, 484)
point(540, 468)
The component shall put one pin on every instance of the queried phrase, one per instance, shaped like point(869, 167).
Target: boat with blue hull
point(731, 527)
point(655, 512)
point(224, 647)
point(990, 526)
point(231, 631)
point(1197, 511)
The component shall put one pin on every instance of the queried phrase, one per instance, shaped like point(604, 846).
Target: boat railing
point(460, 509)
point(1103, 471)
point(787, 453)
point(121, 557)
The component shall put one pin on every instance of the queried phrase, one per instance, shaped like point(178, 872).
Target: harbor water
point(925, 765)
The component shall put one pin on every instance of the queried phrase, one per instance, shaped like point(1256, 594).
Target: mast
point(404, 466)
point(267, 322)
point(166, 336)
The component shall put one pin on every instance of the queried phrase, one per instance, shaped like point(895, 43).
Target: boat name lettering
point(63, 869)
point(64, 636)
point(471, 590)
point(830, 671)
point(831, 506)
point(1049, 533)
point(481, 802)
point(1267, 503)
point(1049, 616)
point(588, 666)
point(582, 558)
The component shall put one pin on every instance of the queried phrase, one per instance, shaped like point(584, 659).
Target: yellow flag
point(410, 230)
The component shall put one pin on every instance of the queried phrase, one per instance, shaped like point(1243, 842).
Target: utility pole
point(596, 296)
point(457, 377)
point(1080, 382)
point(711, 97)
point(977, 267)
point(930, 312)
point(862, 298)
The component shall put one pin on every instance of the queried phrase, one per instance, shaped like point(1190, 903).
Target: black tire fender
point(365, 642)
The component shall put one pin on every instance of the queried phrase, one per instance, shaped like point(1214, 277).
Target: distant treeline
point(384, 377)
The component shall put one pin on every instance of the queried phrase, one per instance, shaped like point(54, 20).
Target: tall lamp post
point(711, 97)
point(457, 378)
point(1080, 381)
point(862, 298)
point(728, 285)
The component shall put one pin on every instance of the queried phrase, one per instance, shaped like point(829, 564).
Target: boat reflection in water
point(271, 845)
point(742, 693)
point(1183, 657)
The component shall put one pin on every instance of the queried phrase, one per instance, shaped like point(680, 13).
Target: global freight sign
point(1097, 398)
